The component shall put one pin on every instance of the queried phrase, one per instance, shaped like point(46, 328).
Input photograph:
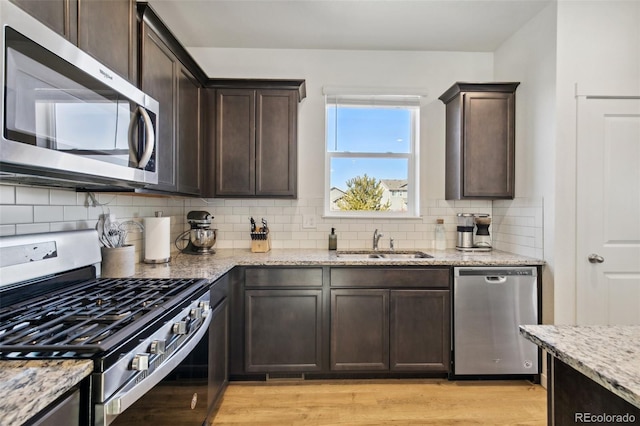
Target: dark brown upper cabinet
point(480, 140)
point(253, 138)
point(169, 75)
point(106, 29)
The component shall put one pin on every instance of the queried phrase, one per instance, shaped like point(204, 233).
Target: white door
point(608, 211)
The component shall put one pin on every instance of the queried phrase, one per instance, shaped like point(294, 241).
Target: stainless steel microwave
point(67, 120)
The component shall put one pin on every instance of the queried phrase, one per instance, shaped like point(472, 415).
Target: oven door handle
point(125, 399)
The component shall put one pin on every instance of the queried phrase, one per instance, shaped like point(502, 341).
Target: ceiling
point(434, 25)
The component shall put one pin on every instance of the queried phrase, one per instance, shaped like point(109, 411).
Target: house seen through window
point(371, 155)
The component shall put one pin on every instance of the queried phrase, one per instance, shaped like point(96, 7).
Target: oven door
point(180, 398)
point(188, 394)
point(169, 384)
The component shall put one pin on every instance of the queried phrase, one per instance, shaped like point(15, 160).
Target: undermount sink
point(384, 254)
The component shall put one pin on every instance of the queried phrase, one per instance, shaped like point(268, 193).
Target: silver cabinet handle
point(595, 258)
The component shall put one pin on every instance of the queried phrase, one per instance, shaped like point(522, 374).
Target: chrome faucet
point(376, 238)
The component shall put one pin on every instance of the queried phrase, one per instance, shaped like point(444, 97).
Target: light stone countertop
point(215, 265)
point(27, 387)
point(609, 355)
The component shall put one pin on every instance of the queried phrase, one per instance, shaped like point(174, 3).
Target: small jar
point(440, 235)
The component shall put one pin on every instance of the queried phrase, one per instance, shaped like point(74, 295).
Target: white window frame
point(364, 98)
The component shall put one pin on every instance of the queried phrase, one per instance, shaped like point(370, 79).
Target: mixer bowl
point(203, 238)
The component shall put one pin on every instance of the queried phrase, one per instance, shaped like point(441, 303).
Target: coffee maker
point(467, 223)
point(465, 231)
point(482, 239)
point(201, 238)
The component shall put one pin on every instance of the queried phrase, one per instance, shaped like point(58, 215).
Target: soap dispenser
point(333, 239)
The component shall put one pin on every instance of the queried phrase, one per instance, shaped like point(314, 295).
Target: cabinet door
point(359, 329)
point(276, 143)
point(283, 330)
point(419, 330)
point(158, 71)
point(189, 140)
point(59, 15)
point(488, 145)
point(235, 142)
point(107, 31)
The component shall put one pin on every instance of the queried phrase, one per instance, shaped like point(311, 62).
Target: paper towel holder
point(160, 242)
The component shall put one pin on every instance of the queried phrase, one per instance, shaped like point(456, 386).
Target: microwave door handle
point(133, 150)
point(150, 139)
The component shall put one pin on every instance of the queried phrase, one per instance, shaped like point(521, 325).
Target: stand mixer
point(200, 239)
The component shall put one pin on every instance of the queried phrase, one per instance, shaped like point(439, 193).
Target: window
point(371, 163)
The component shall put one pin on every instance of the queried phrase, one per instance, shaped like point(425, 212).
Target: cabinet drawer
point(283, 277)
point(390, 277)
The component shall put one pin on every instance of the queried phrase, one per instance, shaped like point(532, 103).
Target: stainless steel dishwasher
point(489, 303)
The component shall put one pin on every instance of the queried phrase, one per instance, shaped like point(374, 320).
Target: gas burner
point(85, 334)
point(89, 317)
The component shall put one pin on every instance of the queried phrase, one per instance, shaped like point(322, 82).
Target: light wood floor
point(399, 402)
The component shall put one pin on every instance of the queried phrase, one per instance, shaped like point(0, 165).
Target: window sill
point(364, 215)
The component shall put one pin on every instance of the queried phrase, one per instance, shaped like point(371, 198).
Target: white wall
point(529, 56)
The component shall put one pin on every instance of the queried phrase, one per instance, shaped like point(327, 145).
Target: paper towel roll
point(157, 244)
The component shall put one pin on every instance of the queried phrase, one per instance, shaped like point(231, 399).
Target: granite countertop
point(27, 387)
point(609, 355)
point(215, 265)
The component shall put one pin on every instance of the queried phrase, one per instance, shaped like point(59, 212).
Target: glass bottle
point(440, 235)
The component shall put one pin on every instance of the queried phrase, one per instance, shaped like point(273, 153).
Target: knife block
point(260, 242)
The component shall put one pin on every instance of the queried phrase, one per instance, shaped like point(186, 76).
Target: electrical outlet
point(308, 221)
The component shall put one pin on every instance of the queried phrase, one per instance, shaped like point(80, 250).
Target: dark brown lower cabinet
point(397, 330)
point(574, 398)
point(360, 329)
point(324, 321)
point(419, 330)
point(283, 330)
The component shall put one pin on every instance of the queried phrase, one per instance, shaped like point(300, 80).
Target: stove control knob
point(180, 327)
point(196, 313)
point(157, 347)
point(140, 362)
point(204, 305)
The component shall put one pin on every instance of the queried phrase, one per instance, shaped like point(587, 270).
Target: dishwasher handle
point(495, 279)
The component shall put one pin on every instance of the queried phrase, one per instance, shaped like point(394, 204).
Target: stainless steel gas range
point(138, 332)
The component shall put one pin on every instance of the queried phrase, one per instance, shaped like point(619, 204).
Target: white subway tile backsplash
point(75, 213)
point(48, 214)
point(516, 224)
point(7, 194)
point(63, 226)
point(31, 195)
point(7, 230)
point(12, 214)
point(32, 228)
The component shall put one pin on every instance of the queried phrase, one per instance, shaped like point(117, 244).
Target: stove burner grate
point(88, 318)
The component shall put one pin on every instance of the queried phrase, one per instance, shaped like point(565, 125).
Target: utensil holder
point(118, 262)
point(260, 242)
